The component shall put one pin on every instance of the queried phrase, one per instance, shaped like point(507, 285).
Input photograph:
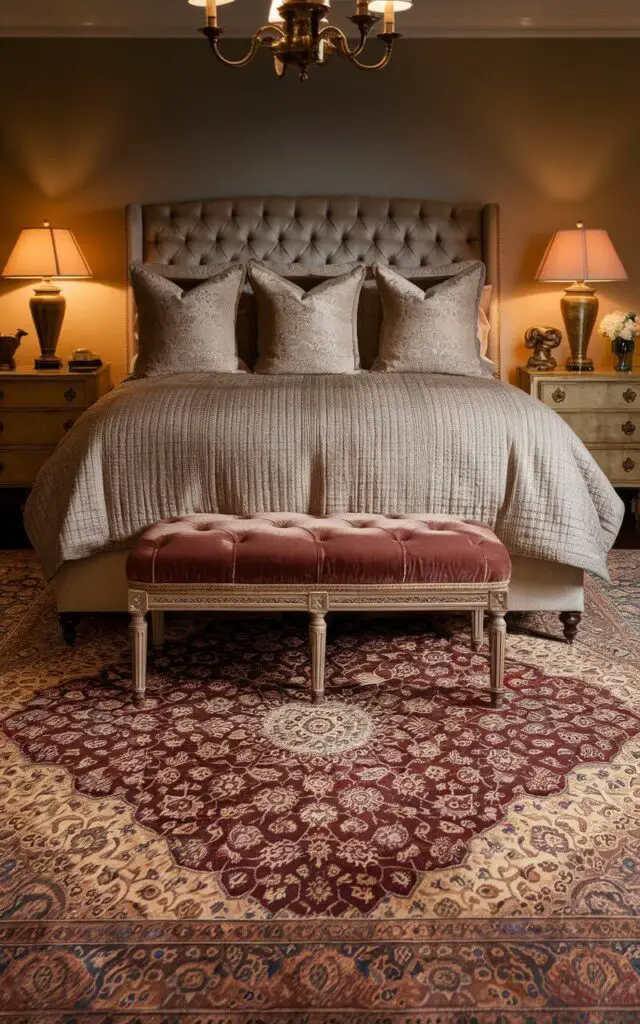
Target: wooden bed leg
point(157, 628)
point(138, 630)
point(570, 622)
point(477, 628)
point(318, 638)
point(69, 622)
point(497, 644)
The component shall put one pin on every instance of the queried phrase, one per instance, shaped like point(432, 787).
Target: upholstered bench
point(288, 562)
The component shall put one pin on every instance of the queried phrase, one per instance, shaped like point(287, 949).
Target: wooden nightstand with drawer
point(37, 407)
point(604, 411)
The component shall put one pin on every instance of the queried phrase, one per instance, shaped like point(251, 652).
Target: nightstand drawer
point(42, 428)
point(19, 466)
point(605, 427)
point(586, 394)
point(621, 465)
point(43, 394)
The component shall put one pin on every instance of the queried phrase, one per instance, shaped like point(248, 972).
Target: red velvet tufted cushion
point(291, 548)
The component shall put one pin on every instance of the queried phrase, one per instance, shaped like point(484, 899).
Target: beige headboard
point(314, 231)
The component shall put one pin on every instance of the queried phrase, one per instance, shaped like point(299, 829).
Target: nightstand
point(604, 411)
point(37, 407)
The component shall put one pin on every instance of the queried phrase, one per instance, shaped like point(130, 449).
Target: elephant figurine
point(9, 344)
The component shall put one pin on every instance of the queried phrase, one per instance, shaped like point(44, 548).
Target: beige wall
point(548, 129)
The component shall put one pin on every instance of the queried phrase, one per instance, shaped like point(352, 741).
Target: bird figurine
point(9, 344)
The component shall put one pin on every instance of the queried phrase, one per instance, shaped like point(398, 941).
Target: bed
point(547, 499)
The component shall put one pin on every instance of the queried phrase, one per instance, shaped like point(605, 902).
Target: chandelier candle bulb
point(212, 13)
point(389, 17)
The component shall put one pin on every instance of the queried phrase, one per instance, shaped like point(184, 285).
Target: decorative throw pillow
point(432, 331)
point(188, 275)
point(302, 331)
point(186, 331)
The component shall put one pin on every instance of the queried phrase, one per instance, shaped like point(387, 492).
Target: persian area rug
point(402, 854)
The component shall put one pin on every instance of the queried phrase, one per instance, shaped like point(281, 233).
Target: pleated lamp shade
point(582, 254)
point(380, 6)
point(46, 252)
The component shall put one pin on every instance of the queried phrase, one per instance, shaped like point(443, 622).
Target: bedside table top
point(561, 374)
point(27, 370)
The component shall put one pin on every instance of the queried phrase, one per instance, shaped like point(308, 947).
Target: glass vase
point(623, 352)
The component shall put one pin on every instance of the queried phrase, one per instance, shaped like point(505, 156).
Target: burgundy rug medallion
point(330, 810)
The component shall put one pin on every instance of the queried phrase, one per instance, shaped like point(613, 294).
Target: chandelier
point(298, 33)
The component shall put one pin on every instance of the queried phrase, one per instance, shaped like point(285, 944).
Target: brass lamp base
point(580, 310)
point(48, 307)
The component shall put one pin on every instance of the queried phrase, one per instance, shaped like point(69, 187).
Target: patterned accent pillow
point(302, 331)
point(186, 331)
point(432, 331)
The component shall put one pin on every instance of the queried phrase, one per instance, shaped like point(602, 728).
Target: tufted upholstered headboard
point(315, 231)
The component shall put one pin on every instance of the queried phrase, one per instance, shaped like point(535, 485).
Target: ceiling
point(169, 18)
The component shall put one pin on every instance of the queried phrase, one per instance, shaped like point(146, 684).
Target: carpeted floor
point(228, 853)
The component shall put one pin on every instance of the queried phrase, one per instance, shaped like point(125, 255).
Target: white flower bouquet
point(620, 325)
point(621, 329)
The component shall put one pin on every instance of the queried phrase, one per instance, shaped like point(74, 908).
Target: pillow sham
point(186, 331)
point(370, 307)
point(187, 276)
point(432, 331)
point(312, 331)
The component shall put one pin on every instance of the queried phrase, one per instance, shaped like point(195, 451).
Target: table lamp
point(580, 255)
point(47, 253)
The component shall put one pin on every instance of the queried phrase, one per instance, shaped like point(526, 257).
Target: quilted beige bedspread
point(371, 442)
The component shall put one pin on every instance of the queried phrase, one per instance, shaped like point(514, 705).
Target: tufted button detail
point(402, 231)
point(409, 550)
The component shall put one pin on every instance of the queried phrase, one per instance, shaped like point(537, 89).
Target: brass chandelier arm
point(336, 38)
point(266, 35)
point(382, 63)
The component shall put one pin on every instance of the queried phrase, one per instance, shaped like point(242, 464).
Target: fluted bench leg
point(497, 644)
point(477, 628)
point(318, 638)
point(294, 597)
point(138, 628)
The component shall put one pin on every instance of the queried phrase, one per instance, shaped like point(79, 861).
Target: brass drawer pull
point(630, 395)
point(628, 465)
point(69, 423)
point(70, 395)
point(559, 395)
point(628, 428)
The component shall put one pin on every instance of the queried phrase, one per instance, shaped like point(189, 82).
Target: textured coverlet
point(380, 443)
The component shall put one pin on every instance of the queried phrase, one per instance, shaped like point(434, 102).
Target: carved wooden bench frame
point(476, 598)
